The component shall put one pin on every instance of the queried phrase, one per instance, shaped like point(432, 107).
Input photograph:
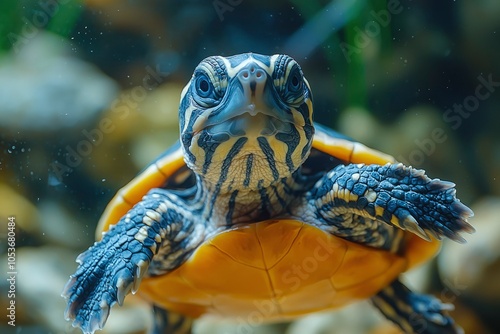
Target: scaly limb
point(155, 236)
point(349, 199)
point(414, 312)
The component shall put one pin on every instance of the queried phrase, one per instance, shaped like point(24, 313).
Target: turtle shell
point(274, 269)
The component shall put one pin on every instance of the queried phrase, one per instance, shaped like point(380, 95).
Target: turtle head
point(246, 119)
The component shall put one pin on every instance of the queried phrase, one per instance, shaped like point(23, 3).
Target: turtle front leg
point(115, 266)
point(414, 312)
point(351, 199)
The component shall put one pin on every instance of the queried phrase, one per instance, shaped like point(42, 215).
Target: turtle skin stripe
point(248, 171)
point(400, 196)
point(292, 141)
point(269, 153)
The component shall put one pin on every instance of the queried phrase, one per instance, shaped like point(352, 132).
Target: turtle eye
point(295, 80)
point(205, 93)
point(203, 85)
point(293, 89)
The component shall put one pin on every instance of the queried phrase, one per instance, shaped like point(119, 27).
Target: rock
point(141, 127)
point(44, 89)
point(213, 325)
point(41, 274)
point(146, 148)
point(355, 318)
point(61, 227)
point(406, 139)
point(474, 268)
point(14, 204)
point(471, 272)
point(160, 123)
point(360, 124)
point(419, 138)
point(161, 106)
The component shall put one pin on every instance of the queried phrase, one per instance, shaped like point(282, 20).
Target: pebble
point(14, 204)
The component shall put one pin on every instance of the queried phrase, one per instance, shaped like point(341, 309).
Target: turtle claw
point(434, 234)
point(141, 269)
point(122, 289)
point(438, 184)
point(429, 207)
point(464, 213)
point(97, 320)
point(107, 273)
point(411, 224)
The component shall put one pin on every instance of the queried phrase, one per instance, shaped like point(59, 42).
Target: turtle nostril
point(260, 75)
point(252, 73)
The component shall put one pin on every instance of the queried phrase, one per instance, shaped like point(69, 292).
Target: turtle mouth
point(244, 121)
point(249, 122)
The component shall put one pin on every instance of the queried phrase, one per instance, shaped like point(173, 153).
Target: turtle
point(258, 212)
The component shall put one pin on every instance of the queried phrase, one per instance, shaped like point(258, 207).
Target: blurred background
point(89, 93)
